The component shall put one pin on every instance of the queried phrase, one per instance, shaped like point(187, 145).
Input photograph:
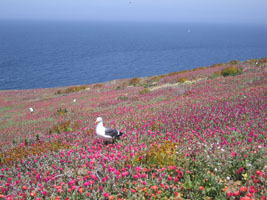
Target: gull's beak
point(96, 122)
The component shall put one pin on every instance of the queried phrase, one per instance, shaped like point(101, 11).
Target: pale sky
point(226, 11)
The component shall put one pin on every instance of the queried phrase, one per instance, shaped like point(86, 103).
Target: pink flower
point(133, 191)
point(258, 172)
point(94, 177)
point(171, 167)
point(105, 194)
point(124, 173)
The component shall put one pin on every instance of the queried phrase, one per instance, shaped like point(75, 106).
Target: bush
point(176, 73)
point(234, 62)
point(98, 85)
point(72, 89)
point(134, 81)
point(182, 80)
point(62, 112)
point(161, 155)
point(216, 74)
point(18, 153)
point(216, 65)
point(144, 91)
point(230, 71)
point(262, 60)
point(122, 98)
point(156, 78)
point(61, 127)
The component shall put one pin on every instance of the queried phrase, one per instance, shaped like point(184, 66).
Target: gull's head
point(98, 120)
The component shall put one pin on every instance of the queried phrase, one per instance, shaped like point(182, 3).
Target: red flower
point(201, 188)
point(133, 191)
point(229, 194)
point(243, 189)
point(255, 180)
point(245, 198)
point(258, 172)
point(80, 190)
point(32, 194)
point(106, 195)
point(236, 193)
point(154, 187)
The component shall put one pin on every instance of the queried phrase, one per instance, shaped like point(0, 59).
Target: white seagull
point(31, 110)
point(106, 134)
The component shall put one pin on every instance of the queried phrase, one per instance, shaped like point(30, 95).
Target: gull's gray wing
point(111, 132)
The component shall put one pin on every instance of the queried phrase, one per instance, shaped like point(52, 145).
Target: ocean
point(45, 54)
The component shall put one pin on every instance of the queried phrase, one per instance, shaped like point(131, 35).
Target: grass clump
point(230, 71)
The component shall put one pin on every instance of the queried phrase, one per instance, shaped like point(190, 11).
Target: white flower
point(222, 150)
point(249, 165)
point(215, 169)
point(228, 178)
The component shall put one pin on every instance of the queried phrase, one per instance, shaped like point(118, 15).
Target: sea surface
point(42, 54)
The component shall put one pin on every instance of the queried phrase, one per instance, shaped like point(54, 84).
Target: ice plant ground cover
point(188, 135)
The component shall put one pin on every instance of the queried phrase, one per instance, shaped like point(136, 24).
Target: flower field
point(196, 134)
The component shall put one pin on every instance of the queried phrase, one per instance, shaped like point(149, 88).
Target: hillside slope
point(188, 135)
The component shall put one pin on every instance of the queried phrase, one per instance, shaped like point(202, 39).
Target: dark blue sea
point(39, 54)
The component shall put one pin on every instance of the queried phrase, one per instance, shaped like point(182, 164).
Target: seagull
point(31, 110)
point(74, 100)
point(106, 134)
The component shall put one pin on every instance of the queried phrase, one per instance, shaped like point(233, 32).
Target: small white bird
point(31, 110)
point(106, 134)
point(74, 100)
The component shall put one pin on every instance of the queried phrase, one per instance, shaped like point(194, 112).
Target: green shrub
point(230, 71)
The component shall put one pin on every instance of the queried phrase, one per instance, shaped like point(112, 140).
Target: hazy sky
point(232, 11)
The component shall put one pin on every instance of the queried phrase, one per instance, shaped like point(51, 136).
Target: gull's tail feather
point(119, 134)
